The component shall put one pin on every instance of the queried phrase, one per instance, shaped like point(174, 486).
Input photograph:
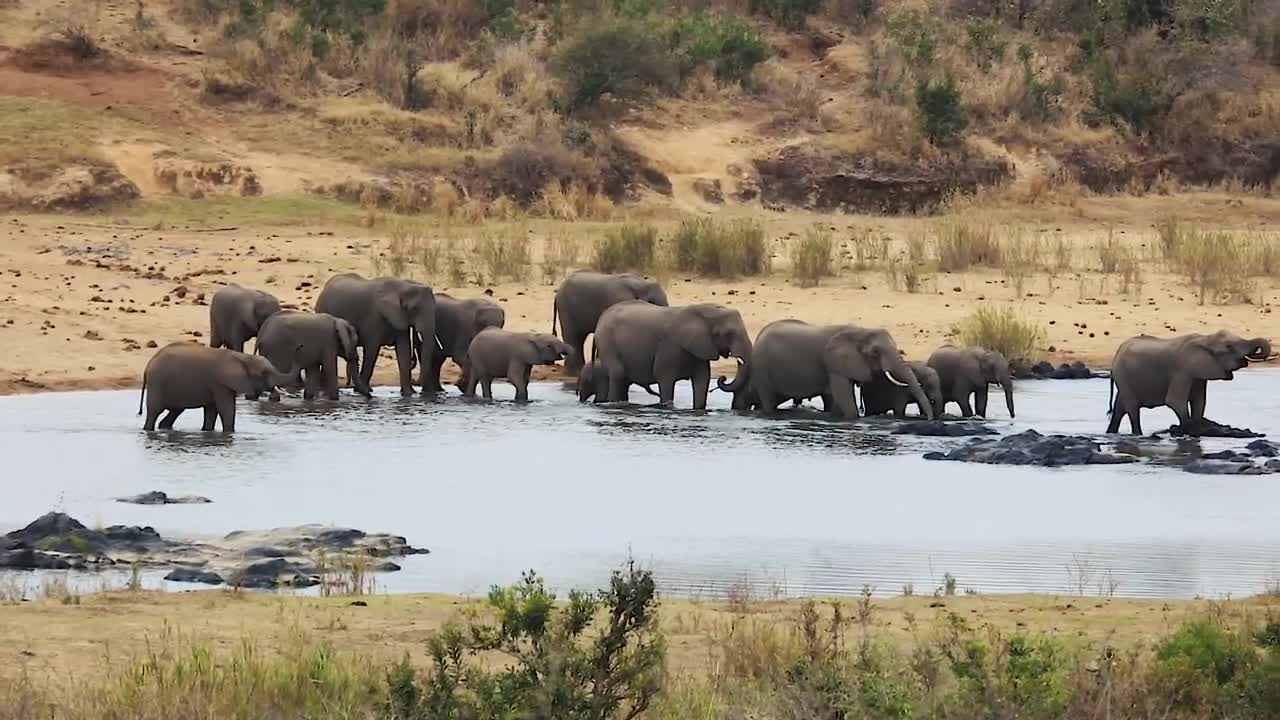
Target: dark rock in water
point(1209, 428)
point(157, 497)
point(266, 551)
point(386, 566)
point(29, 559)
point(58, 532)
point(276, 572)
point(1263, 448)
point(309, 539)
point(192, 575)
point(1032, 448)
point(1224, 467)
point(938, 428)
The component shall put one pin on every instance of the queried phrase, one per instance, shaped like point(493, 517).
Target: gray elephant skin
point(792, 359)
point(498, 353)
point(639, 342)
point(584, 296)
point(386, 312)
point(312, 343)
point(185, 375)
point(1149, 372)
point(236, 314)
point(592, 378)
point(458, 321)
point(966, 372)
point(881, 396)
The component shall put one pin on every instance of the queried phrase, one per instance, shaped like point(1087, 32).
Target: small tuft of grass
point(812, 256)
point(1020, 258)
point(633, 246)
point(868, 249)
point(1002, 330)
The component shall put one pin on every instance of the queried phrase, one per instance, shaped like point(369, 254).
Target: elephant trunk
point(1006, 382)
point(900, 370)
point(1262, 349)
point(740, 379)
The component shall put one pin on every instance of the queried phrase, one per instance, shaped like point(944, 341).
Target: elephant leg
point(329, 374)
point(170, 417)
point(701, 385)
point(237, 343)
point(1198, 397)
point(980, 400)
point(472, 380)
point(353, 369)
point(274, 396)
point(226, 407)
point(666, 391)
point(431, 375)
point(311, 384)
point(766, 397)
point(518, 375)
point(828, 403)
point(210, 417)
point(486, 387)
point(150, 422)
point(577, 340)
point(1178, 398)
point(841, 391)
point(617, 384)
point(404, 359)
point(368, 356)
point(1117, 414)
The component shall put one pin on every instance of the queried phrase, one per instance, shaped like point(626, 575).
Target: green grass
point(715, 249)
point(264, 210)
point(812, 257)
point(1001, 329)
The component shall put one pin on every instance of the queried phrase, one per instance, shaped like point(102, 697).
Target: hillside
point(567, 109)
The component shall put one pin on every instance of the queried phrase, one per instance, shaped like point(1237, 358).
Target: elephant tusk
point(894, 380)
point(438, 345)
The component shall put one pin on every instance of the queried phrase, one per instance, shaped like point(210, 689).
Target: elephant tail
point(143, 393)
point(555, 310)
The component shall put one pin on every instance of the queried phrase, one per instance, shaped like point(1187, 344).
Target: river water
point(710, 501)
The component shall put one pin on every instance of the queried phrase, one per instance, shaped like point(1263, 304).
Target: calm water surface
point(795, 505)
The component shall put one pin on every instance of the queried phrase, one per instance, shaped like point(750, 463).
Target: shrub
point(938, 111)
point(622, 58)
point(915, 35)
point(559, 256)
point(1129, 89)
point(630, 247)
point(593, 657)
point(812, 256)
point(729, 43)
point(962, 245)
point(1217, 264)
point(1201, 660)
point(985, 42)
point(503, 256)
point(707, 247)
point(1001, 329)
point(788, 13)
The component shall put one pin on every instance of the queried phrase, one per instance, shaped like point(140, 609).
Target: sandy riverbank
point(86, 299)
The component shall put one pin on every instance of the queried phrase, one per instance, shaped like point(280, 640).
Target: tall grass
point(1020, 256)
point(962, 245)
point(1001, 329)
point(812, 256)
point(868, 248)
point(560, 253)
point(630, 247)
point(708, 247)
point(1217, 264)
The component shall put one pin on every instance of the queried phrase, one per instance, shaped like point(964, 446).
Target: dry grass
point(718, 249)
point(962, 244)
point(629, 247)
point(812, 256)
point(1001, 329)
point(1020, 257)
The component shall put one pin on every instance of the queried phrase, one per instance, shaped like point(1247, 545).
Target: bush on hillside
point(728, 43)
point(938, 111)
point(622, 58)
point(790, 14)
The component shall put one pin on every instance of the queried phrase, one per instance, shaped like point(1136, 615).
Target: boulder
point(940, 428)
point(194, 575)
point(157, 497)
point(1032, 448)
point(1209, 428)
point(709, 190)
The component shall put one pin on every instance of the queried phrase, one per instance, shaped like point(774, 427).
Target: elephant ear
point(693, 333)
point(843, 355)
point(529, 351)
point(347, 338)
point(235, 372)
point(1205, 360)
point(389, 306)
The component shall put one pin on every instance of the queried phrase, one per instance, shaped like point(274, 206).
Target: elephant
point(967, 371)
point(639, 342)
point(584, 296)
point(1149, 372)
point(311, 342)
point(237, 313)
point(793, 359)
point(593, 381)
point(881, 396)
point(186, 375)
point(457, 323)
point(497, 353)
point(385, 311)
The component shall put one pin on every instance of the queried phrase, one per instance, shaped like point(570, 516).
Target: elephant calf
point(593, 381)
point(236, 314)
point(965, 372)
point(498, 353)
point(881, 396)
point(311, 342)
point(185, 375)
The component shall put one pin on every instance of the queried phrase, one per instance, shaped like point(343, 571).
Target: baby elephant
point(880, 397)
point(184, 375)
point(497, 353)
point(311, 342)
point(593, 377)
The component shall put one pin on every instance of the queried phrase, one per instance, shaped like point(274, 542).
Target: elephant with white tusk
point(883, 396)
point(965, 372)
point(458, 321)
point(386, 312)
point(186, 375)
point(498, 353)
point(1149, 372)
point(792, 359)
point(642, 343)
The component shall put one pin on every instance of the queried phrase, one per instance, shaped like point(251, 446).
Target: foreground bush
point(1001, 329)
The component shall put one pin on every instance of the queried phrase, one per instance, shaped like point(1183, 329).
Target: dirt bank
point(87, 300)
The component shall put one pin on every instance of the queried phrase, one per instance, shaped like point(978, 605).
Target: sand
point(85, 299)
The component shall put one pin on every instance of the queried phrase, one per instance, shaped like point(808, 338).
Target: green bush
point(1207, 19)
point(729, 43)
point(1201, 661)
point(938, 111)
point(630, 247)
point(788, 13)
point(915, 35)
point(593, 657)
point(986, 42)
point(707, 247)
point(1002, 330)
point(1132, 90)
point(623, 58)
point(812, 256)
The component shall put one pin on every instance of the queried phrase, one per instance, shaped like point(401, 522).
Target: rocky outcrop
point(74, 187)
point(804, 177)
point(158, 497)
point(941, 428)
point(280, 557)
point(1209, 428)
point(1032, 448)
point(709, 190)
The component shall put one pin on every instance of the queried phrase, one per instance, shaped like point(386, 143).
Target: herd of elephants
point(638, 338)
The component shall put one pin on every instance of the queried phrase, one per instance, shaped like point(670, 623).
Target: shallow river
point(711, 501)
